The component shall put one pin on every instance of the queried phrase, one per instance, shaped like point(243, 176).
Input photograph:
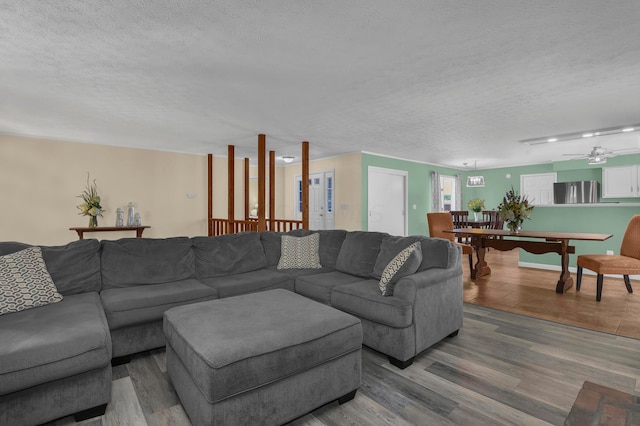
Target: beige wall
point(348, 188)
point(41, 179)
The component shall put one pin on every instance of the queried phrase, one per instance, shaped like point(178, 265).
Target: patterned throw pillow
point(25, 282)
point(300, 252)
point(404, 263)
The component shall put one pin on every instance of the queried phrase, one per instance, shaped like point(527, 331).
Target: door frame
point(329, 197)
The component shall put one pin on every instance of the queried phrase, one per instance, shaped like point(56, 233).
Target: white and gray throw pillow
point(300, 252)
point(25, 282)
point(404, 263)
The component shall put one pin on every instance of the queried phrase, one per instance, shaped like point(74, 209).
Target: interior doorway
point(387, 200)
point(321, 200)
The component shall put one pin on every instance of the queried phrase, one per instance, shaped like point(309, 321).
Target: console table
point(83, 229)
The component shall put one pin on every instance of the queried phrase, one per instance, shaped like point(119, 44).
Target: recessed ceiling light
point(628, 129)
point(552, 140)
point(587, 135)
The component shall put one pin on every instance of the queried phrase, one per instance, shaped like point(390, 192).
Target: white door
point(316, 201)
point(538, 187)
point(387, 194)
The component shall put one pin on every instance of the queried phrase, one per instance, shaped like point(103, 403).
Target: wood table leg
point(481, 268)
point(566, 281)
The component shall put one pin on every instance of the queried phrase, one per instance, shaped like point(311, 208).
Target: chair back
point(630, 246)
point(495, 222)
point(460, 218)
point(438, 223)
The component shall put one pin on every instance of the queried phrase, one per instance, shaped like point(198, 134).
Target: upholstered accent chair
point(626, 263)
point(443, 221)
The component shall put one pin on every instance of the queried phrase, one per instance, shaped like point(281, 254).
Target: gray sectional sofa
point(55, 360)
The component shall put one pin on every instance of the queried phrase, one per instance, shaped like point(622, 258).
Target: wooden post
point(305, 185)
point(247, 182)
point(262, 150)
point(231, 183)
point(210, 193)
point(272, 189)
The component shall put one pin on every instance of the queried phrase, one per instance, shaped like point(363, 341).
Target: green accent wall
point(605, 219)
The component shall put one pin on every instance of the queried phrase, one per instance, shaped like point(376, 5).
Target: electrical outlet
point(610, 252)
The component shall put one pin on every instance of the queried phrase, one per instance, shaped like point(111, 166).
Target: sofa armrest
point(408, 286)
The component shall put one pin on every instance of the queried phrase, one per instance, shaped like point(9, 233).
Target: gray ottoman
point(261, 358)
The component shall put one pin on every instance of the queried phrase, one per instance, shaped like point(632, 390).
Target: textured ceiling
point(435, 81)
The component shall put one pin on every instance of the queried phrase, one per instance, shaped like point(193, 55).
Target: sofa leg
point(627, 283)
point(91, 412)
point(119, 360)
point(400, 364)
point(454, 334)
point(348, 397)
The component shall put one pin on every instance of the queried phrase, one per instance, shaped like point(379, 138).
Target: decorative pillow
point(405, 263)
point(300, 252)
point(25, 282)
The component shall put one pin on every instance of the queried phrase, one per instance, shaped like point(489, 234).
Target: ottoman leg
point(348, 397)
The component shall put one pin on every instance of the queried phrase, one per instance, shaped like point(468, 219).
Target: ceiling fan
point(598, 154)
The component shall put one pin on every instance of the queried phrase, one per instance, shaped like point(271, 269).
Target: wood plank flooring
point(501, 369)
point(531, 292)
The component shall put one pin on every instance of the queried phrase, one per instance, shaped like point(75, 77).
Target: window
point(448, 192)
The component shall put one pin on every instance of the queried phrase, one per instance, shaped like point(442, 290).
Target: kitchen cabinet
point(620, 182)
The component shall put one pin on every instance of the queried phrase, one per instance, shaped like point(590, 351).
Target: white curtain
point(458, 192)
point(436, 192)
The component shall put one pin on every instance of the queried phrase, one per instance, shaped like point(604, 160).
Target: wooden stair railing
point(225, 226)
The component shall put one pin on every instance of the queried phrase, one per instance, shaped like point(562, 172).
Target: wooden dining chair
point(626, 263)
point(489, 216)
point(442, 221)
point(460, 220)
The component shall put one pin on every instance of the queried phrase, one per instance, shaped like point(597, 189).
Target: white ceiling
point(436, 81)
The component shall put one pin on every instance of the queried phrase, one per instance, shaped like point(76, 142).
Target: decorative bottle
point(137, 220)
point(119, 217)
point(131, 215)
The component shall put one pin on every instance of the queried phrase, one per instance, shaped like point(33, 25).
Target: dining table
point(536, 242)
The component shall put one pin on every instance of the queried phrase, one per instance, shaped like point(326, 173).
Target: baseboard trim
point(572, 269)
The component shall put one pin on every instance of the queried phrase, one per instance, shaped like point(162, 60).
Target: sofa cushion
point(391, 245)
point(330, 244)
point(25, 282)
point(405, 263)
point(249, 282)
point(146, 303)
point(438, 253)
point(299, 252)
point(359, 252)
point(271, 243)
point(137, 261)
point(74, 268)
point(363, 299)
point(53, 342)
point(318, 286)
point(228, 254)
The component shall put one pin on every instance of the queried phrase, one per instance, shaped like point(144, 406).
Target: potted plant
point(476, 205)
point(91, 206)
point(514, 209)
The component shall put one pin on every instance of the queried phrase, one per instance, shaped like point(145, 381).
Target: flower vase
point(475, 216)
point(93, 221)
point(514, 226)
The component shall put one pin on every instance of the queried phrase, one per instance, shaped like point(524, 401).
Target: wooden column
point(272, 189)
point(247, 183)
point(262, 150)
point(305, 185)
point(231, 201)
point(210, 193)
